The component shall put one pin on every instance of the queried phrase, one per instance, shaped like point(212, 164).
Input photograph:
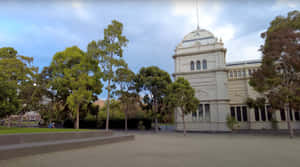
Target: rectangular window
point(232, 113)
point(207, 112)
point(256, 114)
point(194, 115)
point(263, 113)
point(269, 112)
point(238, 114)
point(200, 109)
point(231, 74)
point(250, 72)
point(282, 115)
point(297, 116)
point(245, 115)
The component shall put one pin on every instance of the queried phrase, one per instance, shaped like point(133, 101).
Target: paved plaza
point(172, 150)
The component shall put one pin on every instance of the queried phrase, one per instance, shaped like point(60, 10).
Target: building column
point(252, 118)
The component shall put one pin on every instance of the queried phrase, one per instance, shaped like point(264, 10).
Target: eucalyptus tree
point(76, 76)
point(279, 75)
point(182, 96)
point(153, 83)
point(110, 53)
point(125, 79)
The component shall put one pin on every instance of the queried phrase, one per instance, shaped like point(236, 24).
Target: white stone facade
point(221, 88)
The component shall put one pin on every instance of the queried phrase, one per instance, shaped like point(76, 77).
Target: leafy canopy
point(279, 75)
point(75, 77)
point(153, 82)
point(182, 95)
point(16, 76)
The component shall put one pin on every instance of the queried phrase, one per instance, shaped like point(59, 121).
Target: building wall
point(210, 87)
point(223, 87)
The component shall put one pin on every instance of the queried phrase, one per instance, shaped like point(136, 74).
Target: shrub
point(231, 122)
point(141, 125)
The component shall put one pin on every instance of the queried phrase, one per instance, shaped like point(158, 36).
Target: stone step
point(17, 150)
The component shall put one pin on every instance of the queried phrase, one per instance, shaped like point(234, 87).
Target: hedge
point(113, 124)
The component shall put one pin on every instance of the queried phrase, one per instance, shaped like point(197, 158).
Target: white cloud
point(238, 48)
point(81, 11)
point(188, 9)
point(245, 47)
point(279, 4)
point(225, 32)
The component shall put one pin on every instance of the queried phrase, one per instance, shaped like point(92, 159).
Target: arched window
point(192, 65)
point(204, 64)
point(198, 65)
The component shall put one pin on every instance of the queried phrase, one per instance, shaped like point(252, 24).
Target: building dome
point(198, 34)
point(198, 37)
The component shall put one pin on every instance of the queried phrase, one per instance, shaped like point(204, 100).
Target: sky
point(154, 28)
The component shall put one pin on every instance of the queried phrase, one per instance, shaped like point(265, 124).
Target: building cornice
point(200, 72)
point(200, 52)
point(214, 100)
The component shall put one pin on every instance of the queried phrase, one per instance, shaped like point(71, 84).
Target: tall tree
point(153, 82)
point(110, 52)
point(16, 73)
point(78, 74)
point(279, 76)
point(182, 96)
point(125, 79)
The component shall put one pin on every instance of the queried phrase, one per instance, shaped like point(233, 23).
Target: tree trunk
point(77, 118)
point(290, 128)
point(156, 124)
point(8, 122)
point(184, 129)
point(126, 129)
point(107, 110)
point(156, 119)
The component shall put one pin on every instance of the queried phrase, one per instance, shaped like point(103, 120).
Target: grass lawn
point(12, 130)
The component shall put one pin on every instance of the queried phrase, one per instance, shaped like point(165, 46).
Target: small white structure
point(32, 116)
point(221, 88)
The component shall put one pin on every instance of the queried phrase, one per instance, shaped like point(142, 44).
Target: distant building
point(221, 87)
point(100, 103)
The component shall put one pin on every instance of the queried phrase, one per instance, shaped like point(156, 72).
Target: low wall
point(10, 139)
point(18, 150)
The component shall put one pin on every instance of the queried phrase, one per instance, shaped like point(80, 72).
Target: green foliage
point(4, 130)
point(258, 102)
point(153, 82)
point(89, 117)
point(115, 111)
point(231, 122)
point(110, 53)
point(141, 125)
point(16, 77)
point(127, 95)
point(278, 78)
point(75, 76)
point(182, 95)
